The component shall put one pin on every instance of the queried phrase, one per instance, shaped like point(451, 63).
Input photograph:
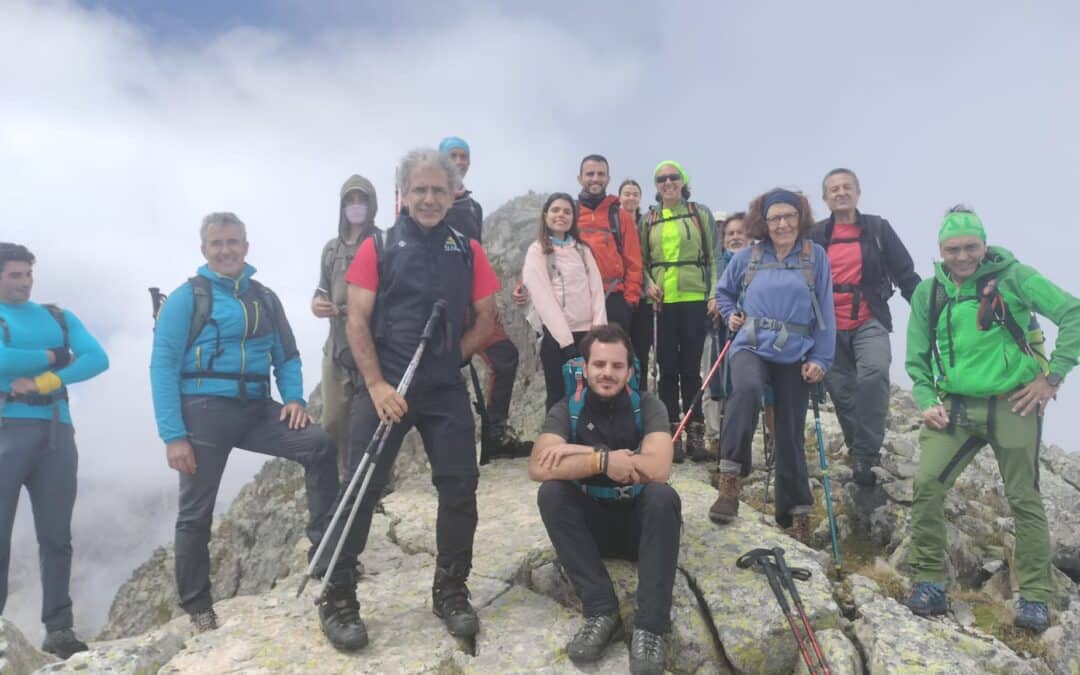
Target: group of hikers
point(788, 303)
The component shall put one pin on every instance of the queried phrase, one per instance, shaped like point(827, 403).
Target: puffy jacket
point(885, 262)
point(243, 337)
point(781, 295)
point(677, 254)
point(982, 363)
point(569, 298)
point(620, 269)
point(30, 331)
point(466, 216)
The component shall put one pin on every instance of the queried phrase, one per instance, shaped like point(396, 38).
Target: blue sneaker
point(1034, 616)
point(927, 599)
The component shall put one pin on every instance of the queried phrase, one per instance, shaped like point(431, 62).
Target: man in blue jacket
point(43, 349)
point(216, 339)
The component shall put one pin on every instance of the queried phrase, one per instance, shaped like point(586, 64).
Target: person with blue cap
point(777, 293)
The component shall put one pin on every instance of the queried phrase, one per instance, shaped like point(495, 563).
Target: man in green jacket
point(980, 378)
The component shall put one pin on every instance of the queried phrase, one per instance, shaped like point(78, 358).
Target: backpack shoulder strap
point(757, 254)
point(635, 403)
point(464, 245)
point(616, 226)
point(6, 331)
point(696, 217)
point(575, 398)
point(806, 262)
point(938, 300)
point(58, 316)
point(203, 295)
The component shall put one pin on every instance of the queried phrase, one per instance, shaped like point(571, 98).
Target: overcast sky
point(123, 123)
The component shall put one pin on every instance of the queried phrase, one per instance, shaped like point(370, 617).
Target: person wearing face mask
point(777, 293)
point(980, 378)
point(356, 221)
point(680, 278)
point(566, 289)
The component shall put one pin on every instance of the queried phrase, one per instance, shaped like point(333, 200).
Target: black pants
point(500, 356)
point(618, 310)
point(641, 338)
point(551, 359)
point(446, 427)
point(681, 340)
point(749, 375)
point(645, 529)
point(215, 426)
point(41, 455)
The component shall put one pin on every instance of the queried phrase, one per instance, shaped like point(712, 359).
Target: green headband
point(682, 172)
point(961, 224)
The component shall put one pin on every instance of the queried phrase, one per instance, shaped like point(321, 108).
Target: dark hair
point(757, 228)
point(738, 215)
point(837, 171)
point(631, 181)
point(593, 158)
point(543, 232)
point(609, 334)
point(14, 253)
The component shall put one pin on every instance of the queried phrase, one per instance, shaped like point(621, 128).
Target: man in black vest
point(867, 259)
point(605, 493)
point(391, 294)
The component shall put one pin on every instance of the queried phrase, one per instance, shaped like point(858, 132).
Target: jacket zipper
point(243, 337)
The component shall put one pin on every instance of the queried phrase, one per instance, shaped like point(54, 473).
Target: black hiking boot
point(695, 442)
point(450, 601)
point(589, 643)
point(502, 443)
point(646, 653)
point(726, 507)
point(339, 615)
point(63, 643)
point(679, 456)
point(862, 471)
point(205, 620)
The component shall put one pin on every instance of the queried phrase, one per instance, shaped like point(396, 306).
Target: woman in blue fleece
point(779, 293)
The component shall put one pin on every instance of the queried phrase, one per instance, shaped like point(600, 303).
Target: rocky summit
point(725, 620)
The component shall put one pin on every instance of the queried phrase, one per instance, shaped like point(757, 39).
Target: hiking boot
point(205, 620)
point(1034, 616)
point(503, 444)
point(63, 643)
point(695, 442)
point(678, 456)
point(587, 646)
point(646, 653)
point(800, 528)
point(726, 507)
point(928, 598)
point(339, 615)
point(450, 601)
point(862, 472)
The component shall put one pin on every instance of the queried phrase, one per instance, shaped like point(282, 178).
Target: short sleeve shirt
point(364, 271)
point(654, 417)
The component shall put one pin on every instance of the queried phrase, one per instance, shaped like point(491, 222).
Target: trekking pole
point(789, 581)
point(815, 395)
point(704, 386)
point(770, 456)
point(157, 298)
point(367, 463)
point(481, 409)
point(655, 349)
point(759, 559)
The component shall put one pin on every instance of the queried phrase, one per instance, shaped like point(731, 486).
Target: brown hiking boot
point(678, 456)
point(800, 528)
point(726, 507)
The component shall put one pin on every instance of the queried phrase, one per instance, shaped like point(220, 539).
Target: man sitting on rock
point(604, 467)
point(980, 377)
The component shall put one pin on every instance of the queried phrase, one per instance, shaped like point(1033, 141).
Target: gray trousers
point(40, 455)
point(215, 426)
point(858, 384)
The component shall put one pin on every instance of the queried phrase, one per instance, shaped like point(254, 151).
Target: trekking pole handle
point(156, 300)
point(774, 583)
point(437, 312)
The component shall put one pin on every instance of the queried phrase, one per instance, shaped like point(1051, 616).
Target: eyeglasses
point(789, 217)
point(667, 178)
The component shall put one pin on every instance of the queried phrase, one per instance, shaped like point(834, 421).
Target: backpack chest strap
point(783, 330)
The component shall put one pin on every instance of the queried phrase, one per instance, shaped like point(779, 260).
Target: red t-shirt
point(364, 271)
point(845, 257)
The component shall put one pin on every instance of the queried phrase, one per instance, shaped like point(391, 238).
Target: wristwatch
point(1054, 380)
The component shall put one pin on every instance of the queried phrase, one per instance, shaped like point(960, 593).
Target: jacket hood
point(357, 182)
point(996, 260)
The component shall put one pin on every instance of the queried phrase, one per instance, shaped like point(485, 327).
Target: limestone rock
point(841, 655)
point(131, 656)
point(1062, 643)
point(17, 655)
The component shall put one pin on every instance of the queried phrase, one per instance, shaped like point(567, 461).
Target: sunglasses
point(667, 178)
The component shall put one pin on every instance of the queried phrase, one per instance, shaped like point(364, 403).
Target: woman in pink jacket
point(565, 287)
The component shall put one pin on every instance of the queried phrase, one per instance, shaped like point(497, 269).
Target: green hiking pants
point(945, 454)
point(337, 392)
